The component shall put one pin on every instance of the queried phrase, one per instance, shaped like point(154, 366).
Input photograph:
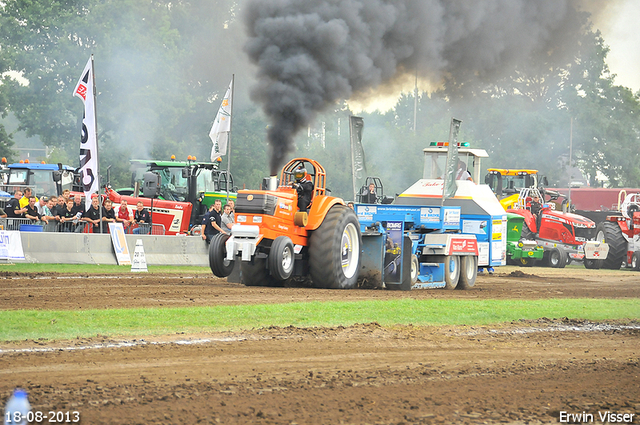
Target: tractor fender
point(319, 208)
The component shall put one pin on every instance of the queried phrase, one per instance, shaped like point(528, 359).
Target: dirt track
point(524, 372)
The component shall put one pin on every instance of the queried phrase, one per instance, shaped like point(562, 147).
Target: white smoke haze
point(311, 54)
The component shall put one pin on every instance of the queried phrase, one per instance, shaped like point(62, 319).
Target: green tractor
point(520, 252)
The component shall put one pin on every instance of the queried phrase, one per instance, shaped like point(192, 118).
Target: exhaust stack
point(273, 183)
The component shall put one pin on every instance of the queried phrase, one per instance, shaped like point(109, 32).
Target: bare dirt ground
point(517, 373)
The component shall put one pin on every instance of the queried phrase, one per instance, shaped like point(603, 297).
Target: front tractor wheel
point(334, 250)
point(218, 262)
point(557, 258)
point(281, 258)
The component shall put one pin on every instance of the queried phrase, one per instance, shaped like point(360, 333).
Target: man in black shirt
point(143, 219)
point(108, 215)
point(13, 209)
point(66, 217)
point(92, 215)
point(212, 221)
point(370, 197)
point(32, 211)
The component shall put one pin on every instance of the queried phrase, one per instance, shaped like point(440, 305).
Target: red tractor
point(564, 236)
point(275, 239)
point(622, 233)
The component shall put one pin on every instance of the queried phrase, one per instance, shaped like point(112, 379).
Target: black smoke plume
point(312, 53)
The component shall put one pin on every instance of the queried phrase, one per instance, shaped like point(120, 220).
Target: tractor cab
point(435, 160)
point(506, 182)
point(44, 179)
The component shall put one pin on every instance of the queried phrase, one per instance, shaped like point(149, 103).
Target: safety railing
point(75, 226)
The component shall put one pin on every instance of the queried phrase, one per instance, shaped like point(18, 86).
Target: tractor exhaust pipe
point(273, 183)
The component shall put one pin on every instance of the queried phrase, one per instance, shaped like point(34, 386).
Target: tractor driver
point(304, 188)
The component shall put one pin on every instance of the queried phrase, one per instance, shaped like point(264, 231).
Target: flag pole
point(95, 120)
point(233, 80)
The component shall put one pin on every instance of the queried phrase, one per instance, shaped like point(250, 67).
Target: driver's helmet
point(299, 173)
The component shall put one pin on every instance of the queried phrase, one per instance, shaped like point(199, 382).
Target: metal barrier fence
point(26, 224)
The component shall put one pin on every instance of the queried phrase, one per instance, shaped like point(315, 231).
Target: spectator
point(66, 195)
point(24, 201)
point(78, 210)
point(350, 205)
point(14, 210)
point(227, 219)
point(40, 205)
point(370, 197)
point(143, 219)
point(62, 205)
point(124, 216)
point(212, 221)
point(108, 215)
point(49, 215)
point(32, 212)
point(55, 210)
point(78, 205)
point(232, 204)
point(67, 217)
point(92, 215)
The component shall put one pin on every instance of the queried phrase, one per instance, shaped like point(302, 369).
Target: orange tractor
point(274, 238)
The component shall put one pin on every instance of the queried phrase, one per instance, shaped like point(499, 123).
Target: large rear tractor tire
point(468, 271)
point(611, 233)
point(557, 258)
point(451, 271)
point(220, 266)
point(255, 273)
point(281, 258)
point(334, 250)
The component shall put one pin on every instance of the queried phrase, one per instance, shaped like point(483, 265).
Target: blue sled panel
point(372, 261)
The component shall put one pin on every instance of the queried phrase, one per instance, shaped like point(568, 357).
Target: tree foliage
point(161, 68)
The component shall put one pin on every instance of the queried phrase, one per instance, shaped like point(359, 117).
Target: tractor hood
point(569, 218)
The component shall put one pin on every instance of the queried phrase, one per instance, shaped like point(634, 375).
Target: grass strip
point(52, 324)
point(95, 268)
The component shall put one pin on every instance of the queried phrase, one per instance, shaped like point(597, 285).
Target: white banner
point(221, 127)
point(11, 245)
point(88, 142)
point(120, 244)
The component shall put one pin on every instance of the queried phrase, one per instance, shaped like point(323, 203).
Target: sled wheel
point(281, 258)
point(451, 271)
point(468, 271)
point(612, 234)
point(557, 258)
point(334, 250)
point(415, 269)
point(255, 273)
point(218, 262)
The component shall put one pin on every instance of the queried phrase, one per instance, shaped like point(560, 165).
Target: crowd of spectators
point(64, 214)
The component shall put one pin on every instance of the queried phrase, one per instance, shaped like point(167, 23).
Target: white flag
point(219, 133)
point(88, 141)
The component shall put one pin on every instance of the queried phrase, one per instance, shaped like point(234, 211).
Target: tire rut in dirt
point(617, 244)
point(326, 250)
